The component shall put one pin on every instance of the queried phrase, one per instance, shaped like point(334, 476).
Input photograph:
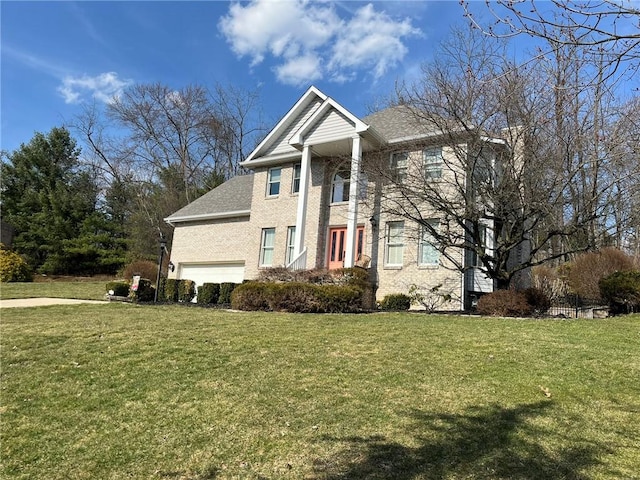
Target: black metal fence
point(575, 306)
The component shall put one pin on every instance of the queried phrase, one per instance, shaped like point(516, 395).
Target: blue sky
point(56, 56)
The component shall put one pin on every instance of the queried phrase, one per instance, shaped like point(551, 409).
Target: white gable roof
point(314, 120)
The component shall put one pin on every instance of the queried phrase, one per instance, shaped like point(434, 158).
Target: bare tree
point(159, 148)
point(521, 155)
point(608, 28)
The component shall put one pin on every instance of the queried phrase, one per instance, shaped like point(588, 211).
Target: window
point(266, 250)
point(428, 253)
point(476, 261)
point(394, 243)
point(433, 163)
point(399, 163)
point(291, 243)
point(295, 184)
point(340, 186)
point(273, 181)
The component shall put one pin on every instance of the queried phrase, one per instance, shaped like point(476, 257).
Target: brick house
point(310, 202)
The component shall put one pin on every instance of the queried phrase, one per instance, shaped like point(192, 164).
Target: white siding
point(281, 144)
point(331, 126)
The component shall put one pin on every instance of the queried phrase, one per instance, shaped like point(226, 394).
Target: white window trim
point(424, 242)
point(399, 173)
point(271, 182)
point(432, 166)
point(265, 248)
point(291, 244)
point(346, 184)
point(293, 178)
point(388, 244)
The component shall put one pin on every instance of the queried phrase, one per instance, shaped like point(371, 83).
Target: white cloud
point(371, 40)
point(102, 87)
point(309, 41)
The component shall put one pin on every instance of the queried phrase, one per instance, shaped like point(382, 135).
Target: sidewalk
point(43, 301)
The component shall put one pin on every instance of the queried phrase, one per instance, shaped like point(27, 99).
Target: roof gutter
point(207, 216)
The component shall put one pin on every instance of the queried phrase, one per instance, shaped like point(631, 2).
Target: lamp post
point(163, 247)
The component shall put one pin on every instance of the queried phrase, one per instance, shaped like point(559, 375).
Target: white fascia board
point(207, 216)
point(272, 160)
point(297, 140)
point(499, 141)
point(291, 114)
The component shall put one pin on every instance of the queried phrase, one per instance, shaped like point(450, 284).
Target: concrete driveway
point(43, 301)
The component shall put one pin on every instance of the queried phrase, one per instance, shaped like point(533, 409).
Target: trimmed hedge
point(396, 302)
point(120, 288)
point(186, 290)
point(226, 289)
point(297, 297)
point(621, 290)
point(208, 293)
point(170, 293)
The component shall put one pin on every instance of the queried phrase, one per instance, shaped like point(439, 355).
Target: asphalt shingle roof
point(232, 196)
point(399, 122)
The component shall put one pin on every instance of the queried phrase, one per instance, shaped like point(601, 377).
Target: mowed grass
point(122, 391)
point(85, 290)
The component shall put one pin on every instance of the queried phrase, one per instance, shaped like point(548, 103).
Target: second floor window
point(295, 183)
point(340, 186)
point(476, 261)
point(399, 163)
point(273, 181)
point(433, 163)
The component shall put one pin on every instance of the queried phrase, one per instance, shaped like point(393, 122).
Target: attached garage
point(212, 272)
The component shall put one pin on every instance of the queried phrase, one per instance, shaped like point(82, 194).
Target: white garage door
point(212, 273)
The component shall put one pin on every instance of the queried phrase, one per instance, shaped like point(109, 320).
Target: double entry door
point(338, 246)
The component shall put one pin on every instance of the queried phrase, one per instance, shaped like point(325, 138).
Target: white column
point(352, 212)
point(303, 195)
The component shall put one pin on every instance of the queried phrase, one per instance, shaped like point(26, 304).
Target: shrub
point(538, 300)
point(225, 293)
point(296, 297)
point(548, 280)
point(504, 303)
point(144, 292)
point(208, 293)
point(144, 268)
point(621, 290)
point(13, 268)
point(396, 302)
point(252, 296)
point(120, 288)
point(430, 298)
point(586, 271)
point(186, 290)
point(170, 293)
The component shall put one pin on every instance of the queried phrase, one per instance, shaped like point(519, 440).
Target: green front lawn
point(85, 290)
point(123, 391)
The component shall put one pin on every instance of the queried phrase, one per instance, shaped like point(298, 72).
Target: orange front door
point(338, 246)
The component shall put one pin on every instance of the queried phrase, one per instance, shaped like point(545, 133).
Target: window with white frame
point(273, 181)
point(340, 186)
point(428, 253)
point(267, 246)
point(399, 164)
point(433, 161)
point(291, 242)
point(295, 183)
point(394, 245)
